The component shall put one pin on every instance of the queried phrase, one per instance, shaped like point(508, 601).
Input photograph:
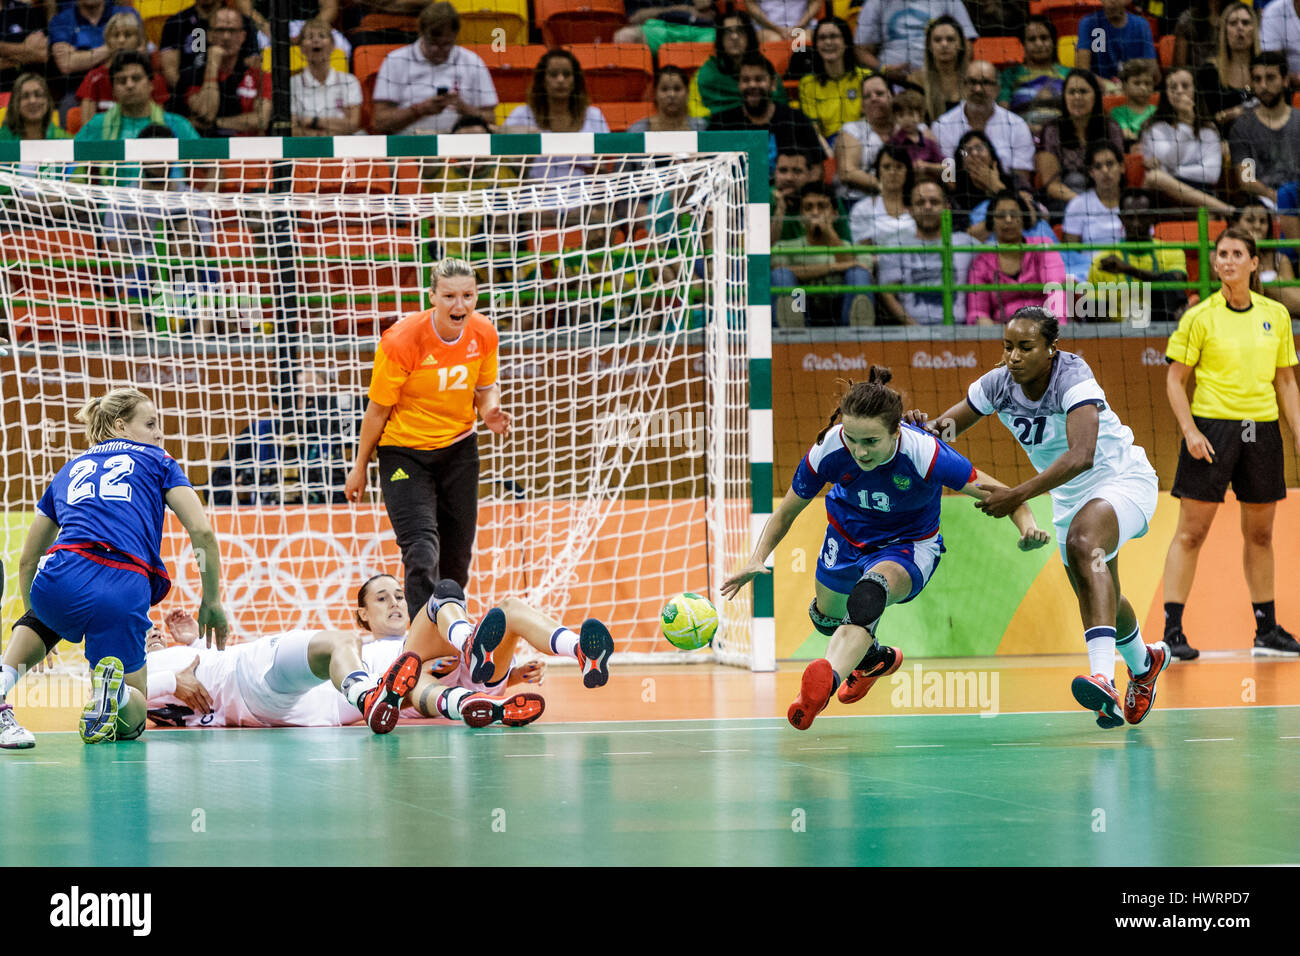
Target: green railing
point(1203, 285)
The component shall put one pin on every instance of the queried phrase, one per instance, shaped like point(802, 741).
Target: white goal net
point(246, 297)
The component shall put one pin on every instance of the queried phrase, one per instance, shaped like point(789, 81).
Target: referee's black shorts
point(1246, 454)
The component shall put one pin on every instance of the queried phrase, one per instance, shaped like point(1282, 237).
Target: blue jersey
point(108, 504)
point(896, 501)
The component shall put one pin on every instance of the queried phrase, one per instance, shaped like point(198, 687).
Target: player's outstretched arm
point(777, 527)
point(40, 536)
point(372, 429)
point(948, 425)
point(488, 403)
point(1081, 426)
point(1031, 536)
point(188, 508)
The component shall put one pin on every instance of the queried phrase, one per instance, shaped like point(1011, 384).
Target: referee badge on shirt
point(1268, 326)
point(902, 482)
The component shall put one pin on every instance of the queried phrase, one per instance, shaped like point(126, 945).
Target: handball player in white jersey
point(1103, 494)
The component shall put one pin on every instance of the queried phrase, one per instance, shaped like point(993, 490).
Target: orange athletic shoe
point(1098, 694)
point(594, 647)
point(1142, 690)
point(382, 702)
point(479, 710)
point(857, 684)
point(487, 637)
point(814, 694)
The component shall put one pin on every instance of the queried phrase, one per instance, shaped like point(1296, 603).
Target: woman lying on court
point(1103, 494)
point(882, 537)
point(441, 687)
point(91, 568)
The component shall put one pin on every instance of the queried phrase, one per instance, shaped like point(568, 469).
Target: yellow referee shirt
point(1235, 354)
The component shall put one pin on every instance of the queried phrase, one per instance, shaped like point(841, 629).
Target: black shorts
point(1255, 468)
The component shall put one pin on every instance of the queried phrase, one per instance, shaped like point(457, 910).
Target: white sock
point(1101, 651)
point(356, 684)
point(449, 702)
point(564, 642)
point(8, 678)
point(459, 633)
point(1134, 652)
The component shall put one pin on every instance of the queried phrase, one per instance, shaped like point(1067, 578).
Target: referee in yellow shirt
point(1240, 345)
point(434, 370)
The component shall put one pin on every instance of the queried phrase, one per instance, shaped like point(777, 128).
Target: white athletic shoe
point(13, 735)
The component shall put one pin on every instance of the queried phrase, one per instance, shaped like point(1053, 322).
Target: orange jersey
point(430, 383)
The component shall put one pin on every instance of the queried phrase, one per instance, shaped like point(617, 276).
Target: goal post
point(244, 283)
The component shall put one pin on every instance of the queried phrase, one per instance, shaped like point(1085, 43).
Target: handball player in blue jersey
point(99, 527)
point(882, 537)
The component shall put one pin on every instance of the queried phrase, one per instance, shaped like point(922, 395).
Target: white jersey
point(1040, 427)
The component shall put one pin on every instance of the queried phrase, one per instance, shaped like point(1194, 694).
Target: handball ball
point(689, 621)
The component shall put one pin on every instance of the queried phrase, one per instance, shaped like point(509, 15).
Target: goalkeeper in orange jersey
point(435, 372)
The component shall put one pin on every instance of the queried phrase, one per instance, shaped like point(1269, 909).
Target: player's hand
point(1033, 539)
point(1198, 446)
point(731, 587)
point(442, 666)
point(1000, 502)
point(534, 672)
point(190, 690)
point(181, 626)
point(497, 420)
point(921, 420)
point(355, 486)
point(212, 623)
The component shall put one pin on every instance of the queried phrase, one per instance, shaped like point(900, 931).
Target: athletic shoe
point(857, 684)
point(594, 647)
point(98, 722)
point(1275, 642)
point(1142, 690)
point(381, 704)
point(13, 735)
point(487, 637)
point(1176, 641)
point(814, 694)
point(516, 710)
point(1099, 694)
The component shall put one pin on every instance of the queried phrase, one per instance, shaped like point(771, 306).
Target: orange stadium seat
point(43, 321)
point(778, 54)
point(374, 22)
point(1184, 230)
point(366, 60)
point(615, 72)
point(74, 120)
point(512, 69)
point(622, 115)
point(479, 19)
point(343, 176)
point(1065, 14)
point(1135, 170)
point(586, 21)
point(685, 56)
point(1000, 51)
point(1112, 100)
point(1165, 51)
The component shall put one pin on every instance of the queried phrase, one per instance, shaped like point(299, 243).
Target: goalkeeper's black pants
point(432, 502)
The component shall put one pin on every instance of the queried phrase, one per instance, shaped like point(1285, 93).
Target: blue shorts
point(841, 565)
point(76, 597)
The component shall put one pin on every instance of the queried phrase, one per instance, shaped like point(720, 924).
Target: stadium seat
point(159, 8)
point(1111, 100)
point(1184, 230)
point(1065, 14)
point(45, 321)
point(1135, 170)
point(153, 29)
point(366, 61)
point(1065, 51)
point(480, 18)
point(503, 111)
point(1165, 51)
point(778, 54)
point(512, 69)
point(1000, 51)
point(1295, 101)
point(74, 121)
point(343, 176)
point(564, 22)
point(375, 22)
point(615, 72)
point(338, 59)
point(688, 57)
point(622, 115)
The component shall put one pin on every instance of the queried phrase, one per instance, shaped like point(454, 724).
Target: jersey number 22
point(81, 484)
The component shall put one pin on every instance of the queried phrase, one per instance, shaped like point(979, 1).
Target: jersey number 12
point(81, 483)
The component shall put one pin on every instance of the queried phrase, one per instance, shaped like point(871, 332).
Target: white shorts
point(1133, 499)
point(270, 697)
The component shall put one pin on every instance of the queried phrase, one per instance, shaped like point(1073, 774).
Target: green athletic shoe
point(98, 722)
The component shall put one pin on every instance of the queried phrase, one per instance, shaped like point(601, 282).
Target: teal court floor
point(1193, 788)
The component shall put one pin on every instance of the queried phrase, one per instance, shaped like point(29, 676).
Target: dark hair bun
point(880, 375)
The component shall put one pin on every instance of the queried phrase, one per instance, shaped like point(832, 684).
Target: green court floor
point(1191, 787)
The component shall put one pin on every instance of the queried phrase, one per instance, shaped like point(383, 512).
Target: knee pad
point(43, 631)
point(867, 600)
point(823, 623)
point(445, 591)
